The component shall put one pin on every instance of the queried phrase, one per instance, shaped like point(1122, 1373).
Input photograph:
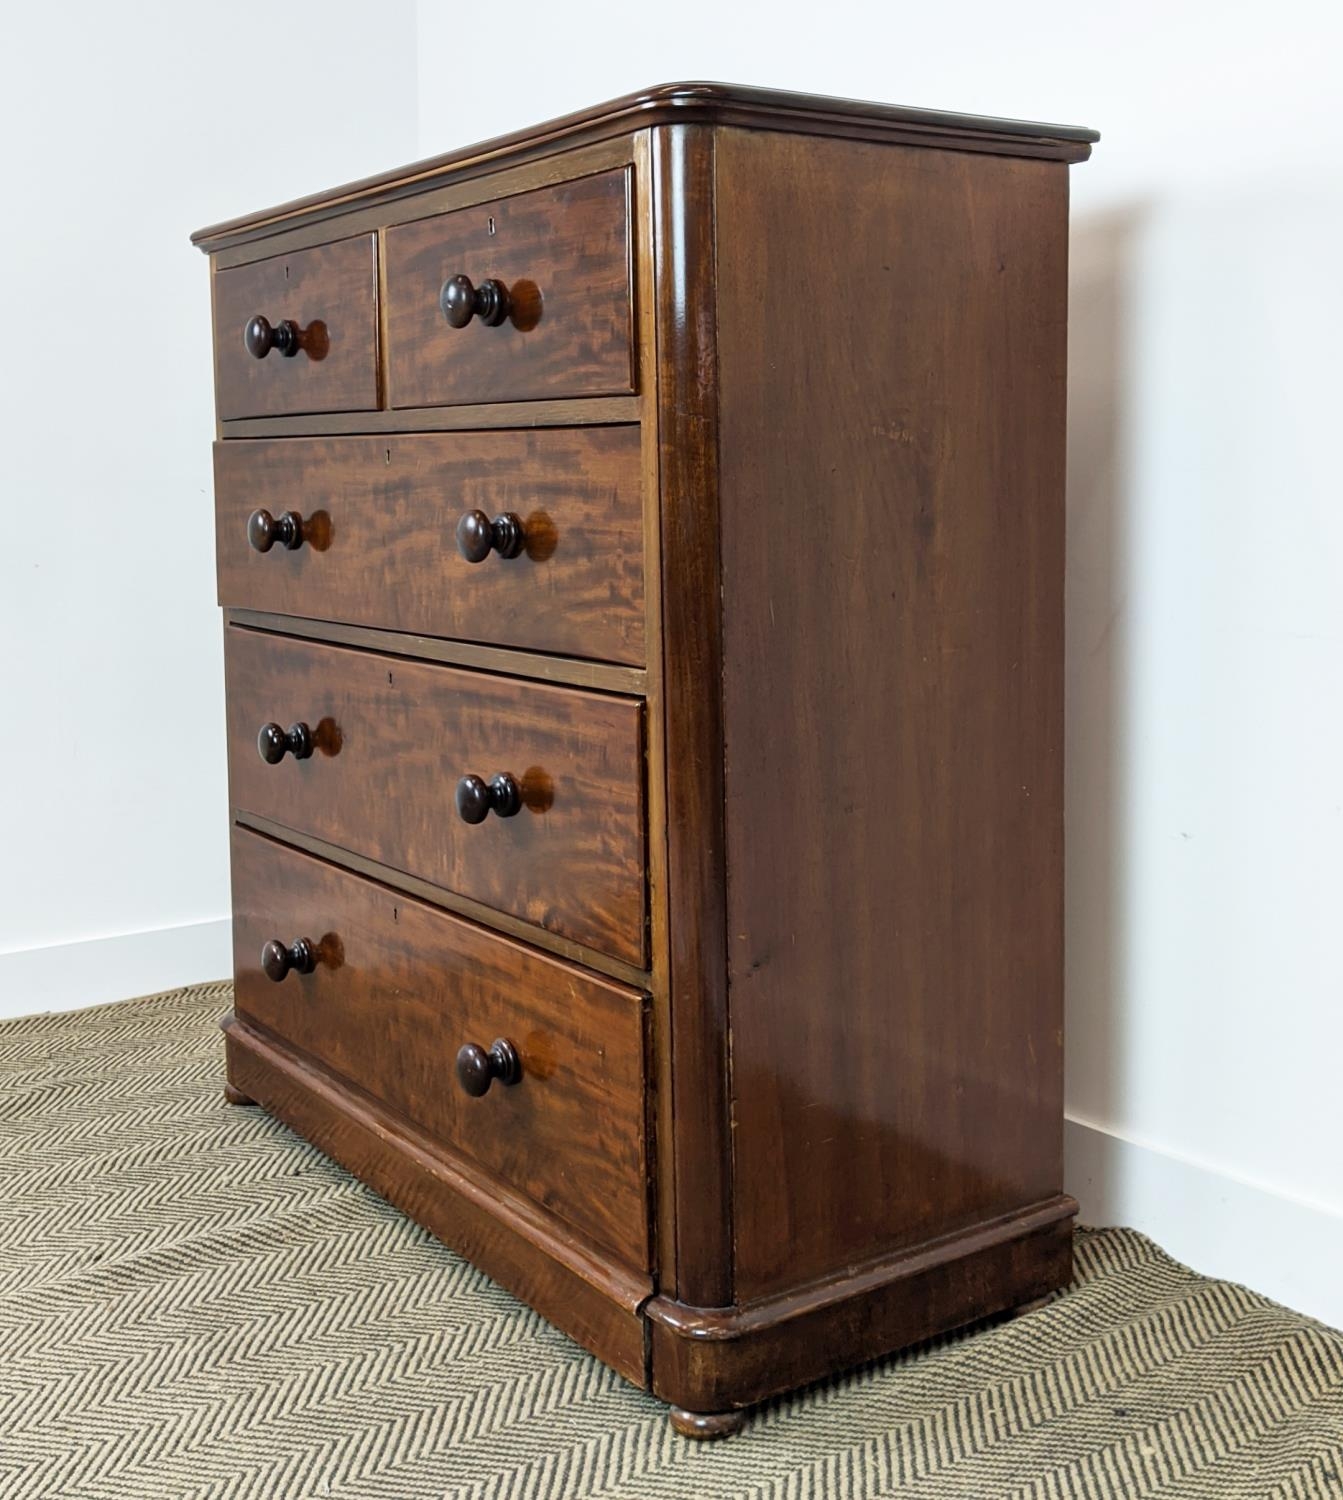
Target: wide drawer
point(329, 294)
point(397, 988)
point(377, 535)
point(560, 255)
point(391, 738)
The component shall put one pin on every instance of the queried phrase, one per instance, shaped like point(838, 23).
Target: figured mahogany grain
point(392, 739)
point(379, 549)
point(331, 293)
point(892, 464)
point(399, 987)
point(564, 254)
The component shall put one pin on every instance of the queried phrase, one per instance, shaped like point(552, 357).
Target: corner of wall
point(1218, 1224)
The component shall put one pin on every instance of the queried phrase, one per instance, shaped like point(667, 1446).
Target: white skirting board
point(68, 976)
point(1286, 1248)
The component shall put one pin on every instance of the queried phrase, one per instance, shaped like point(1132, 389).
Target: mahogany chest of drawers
point(641, 548)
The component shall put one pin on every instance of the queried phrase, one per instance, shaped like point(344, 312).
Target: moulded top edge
point(720, 103)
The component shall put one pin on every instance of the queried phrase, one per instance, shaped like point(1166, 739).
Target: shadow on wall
point(1099, 517)
point(1204, 791)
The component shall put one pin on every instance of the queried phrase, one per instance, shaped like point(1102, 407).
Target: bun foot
point(236, 1096)
point(705, 1425)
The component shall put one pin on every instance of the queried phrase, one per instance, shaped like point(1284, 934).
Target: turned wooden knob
point(264, 530)
point(274, 743)
point(478, 536)
point(277, 960)
point(477, 1068)
point(477, 798)
point(259, 337)
point(460, 301)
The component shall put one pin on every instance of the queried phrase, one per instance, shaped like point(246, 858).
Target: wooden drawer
point(391, 739)
point(330, 294)
point(379, 518)
point(400, 986)
point(563, 255)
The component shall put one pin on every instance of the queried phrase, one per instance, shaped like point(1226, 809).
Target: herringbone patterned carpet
point(193, 1303)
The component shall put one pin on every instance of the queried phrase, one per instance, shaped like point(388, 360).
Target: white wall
point(1205, 734)
point(125, 128)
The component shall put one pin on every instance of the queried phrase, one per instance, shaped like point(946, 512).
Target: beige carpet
point(194, 1303)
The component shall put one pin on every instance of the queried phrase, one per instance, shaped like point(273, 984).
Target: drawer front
point(563, 256)
point(330, 295)
point(390, 740)
point(378, 537)
point(398, 987)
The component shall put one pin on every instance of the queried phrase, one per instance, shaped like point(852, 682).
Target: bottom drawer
point(397, 987)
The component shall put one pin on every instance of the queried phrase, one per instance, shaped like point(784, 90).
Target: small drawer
point(298, 333)
point(376, 540)
point(516, 300)
point(385, 745)
point(395, 989)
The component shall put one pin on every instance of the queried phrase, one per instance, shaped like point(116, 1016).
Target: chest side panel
point(892, 341)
